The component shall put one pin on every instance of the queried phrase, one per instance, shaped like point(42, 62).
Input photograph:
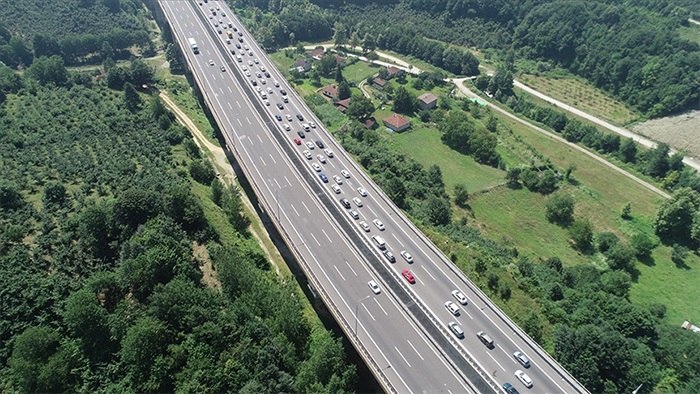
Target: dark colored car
point(345, 202)
point(301, 118)
point(510, 389)
point(389, 256)
point(278, 117)
point(319, 144)
point(280, 106)
point(324, 178)
point(283, 92)
point(301, 134)
point(267, 74)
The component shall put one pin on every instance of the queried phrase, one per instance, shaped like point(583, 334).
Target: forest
point(101, 278)
point(629, 49)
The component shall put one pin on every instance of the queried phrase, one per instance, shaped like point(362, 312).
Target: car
point(240, 33)
point(319, 143)
point(217, 8)
point(221, 22)
point(285, 99)
point(459, 296)
point(522, 359)
point(222, 68)
point(312, 124)
point(321, 158)
point(297, 141)
point(219, 31)
point(329, 153)
point(374, 286)
point(257, 74)
point(238, 45)
point(216, 24)
point(269, 91)
point(389, 256)
point(247, 73)
point(355, 215)
point(231, 25)
point(406, 256)
point(240, 39)
point(262, 68)
point(323, 177)
point(301, 118)
point(250, 63)
point(211, 16)
point(286, 127)
point(279, 105)
point(306, 126)
point(509, 388)
point(316, 167)
point(523, 378)
point(246, 47)
point(223, 13)
point(345, 173)
point(362, 191)
point(338, 179)
point(258, 89)
point(310, 145)
point(486, 339)
point(409, 276)
point(254, 82)
point(277, 84)
point(262, 81)
point(357, 201)
point(250, 53)
point(288, 116)
point(452, 308)
point(267, 74)
point(278, 117)
point(256, 60)
point(307, 154)
point(211, 62)
point(301, 134)
point(379, 224)
point(284, 93)
point(345, 203)
point(364, 226)
point(228, 41)
point(336, 188)
point(456, 329)
point(267, 103)
point(243, 67)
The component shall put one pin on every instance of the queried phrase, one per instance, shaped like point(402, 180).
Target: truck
point(193, 45)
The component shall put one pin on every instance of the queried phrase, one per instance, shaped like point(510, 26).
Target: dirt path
point(228, 175)
point(460, 85)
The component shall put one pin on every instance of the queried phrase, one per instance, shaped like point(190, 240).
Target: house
point(378, 83)
point(391, 72)
point(397, 122)
point(303, 65)
point(318, 53)
point(427, 101)
point(342, 105)
point(370, 123)
point(330, 91)
point(339, 60)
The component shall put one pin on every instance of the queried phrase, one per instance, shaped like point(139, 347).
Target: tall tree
point(132, 100)
point(340, 36)
point(360, 107)
point(343, 90)
point(404, 101)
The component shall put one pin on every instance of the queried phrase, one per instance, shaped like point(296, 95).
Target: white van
point(379, 241)
point(239, 58)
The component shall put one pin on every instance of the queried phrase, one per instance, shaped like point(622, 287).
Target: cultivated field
point(681, 131)
point(573, 92)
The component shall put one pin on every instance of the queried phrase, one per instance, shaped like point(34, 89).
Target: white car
point(262, 68)
point(277, 84)
point(406, 256)
point(329, 153)
point(289, 117)
point(267, 103)
point(310, 145)
point(357, 201)
point(258, 89)
point(355, 215)
point(452, 308)
point(286, 127)
point(269, 90)
point(459, 296)
point(364, 226)
point(316, 167)
point(345, 173)
point(250, 63)
point(321, 158)
point(307, 154)
point(336, 188)
point(338, 179)
point(379, 224)
point(456, 329)
point(256, 60)
point(523, 378)
point(374, 286)
point(243, 67)
point(211, 62)
point(312, 124)
point(362, 191)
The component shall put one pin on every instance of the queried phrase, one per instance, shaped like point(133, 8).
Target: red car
point(409, 276)
point(297, 141)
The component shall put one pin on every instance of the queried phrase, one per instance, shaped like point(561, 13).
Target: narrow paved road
point(619, 130)
point(460, 85)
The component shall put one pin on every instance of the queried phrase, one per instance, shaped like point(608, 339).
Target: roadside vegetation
point(125, 263)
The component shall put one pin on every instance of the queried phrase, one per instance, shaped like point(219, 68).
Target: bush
point(581, 233)
point(606, 241)
point(560, 209)
point(201, 171)
point(642, 244)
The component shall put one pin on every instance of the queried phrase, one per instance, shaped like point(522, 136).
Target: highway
point(402, 331)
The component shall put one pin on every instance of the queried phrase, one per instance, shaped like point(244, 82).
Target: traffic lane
point(305, 242)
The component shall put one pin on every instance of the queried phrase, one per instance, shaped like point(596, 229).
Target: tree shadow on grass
point(647, 260)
